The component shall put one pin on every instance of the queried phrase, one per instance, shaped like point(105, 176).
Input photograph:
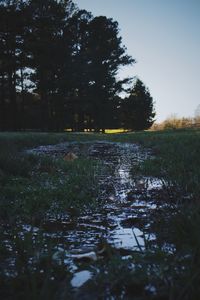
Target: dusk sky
point(164, 38)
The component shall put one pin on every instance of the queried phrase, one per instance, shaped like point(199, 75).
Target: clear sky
point(164, 38)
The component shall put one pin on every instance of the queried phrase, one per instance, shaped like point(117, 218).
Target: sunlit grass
point(119, 130)
point(115, 130)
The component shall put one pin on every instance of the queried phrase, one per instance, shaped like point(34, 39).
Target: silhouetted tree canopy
point(138, 108)
point(58, 69)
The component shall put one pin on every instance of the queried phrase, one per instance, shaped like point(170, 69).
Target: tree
point(105, 56)
point(197, 115)
point(138, 108)
point(11, 31)
point(77, 71)
point(58, 65)
point(49, 54)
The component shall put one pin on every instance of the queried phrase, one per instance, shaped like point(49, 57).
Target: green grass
point(34, 186)
point(176, 160)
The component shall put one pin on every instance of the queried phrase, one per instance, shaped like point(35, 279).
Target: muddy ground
point(126, 221)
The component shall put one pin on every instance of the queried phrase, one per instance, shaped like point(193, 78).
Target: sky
point(163, 36)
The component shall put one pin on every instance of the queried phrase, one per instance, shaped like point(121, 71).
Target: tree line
point(58, 69)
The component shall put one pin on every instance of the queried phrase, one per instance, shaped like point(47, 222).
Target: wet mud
point(125, 221)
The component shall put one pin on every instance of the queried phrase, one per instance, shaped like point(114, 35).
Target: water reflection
point(80, 278)
point(128, 238)
point(124, 220)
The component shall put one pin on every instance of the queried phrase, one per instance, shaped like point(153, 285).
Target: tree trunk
point(22, 122)
point(13, 103)
point(2, 104)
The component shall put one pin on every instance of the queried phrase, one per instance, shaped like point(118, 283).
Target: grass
point(176, 160)
point(32, 187)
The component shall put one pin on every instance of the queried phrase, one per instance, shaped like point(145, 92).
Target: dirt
point(125, 220)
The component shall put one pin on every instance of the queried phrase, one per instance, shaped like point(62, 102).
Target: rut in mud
point(124, 221)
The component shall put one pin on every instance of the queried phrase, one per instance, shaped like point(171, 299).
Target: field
point(62, 220)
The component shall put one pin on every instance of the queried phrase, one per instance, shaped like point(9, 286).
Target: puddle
point(124, 195)
point(128, 238)
point(124, 220)
point(80, 278)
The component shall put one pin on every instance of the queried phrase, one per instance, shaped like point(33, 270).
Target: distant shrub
point(174, 122)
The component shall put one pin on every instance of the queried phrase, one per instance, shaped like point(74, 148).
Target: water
point(80, 278)
point(124, 221)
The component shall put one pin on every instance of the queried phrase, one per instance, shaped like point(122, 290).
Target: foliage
point(138, 108)
point(58, 66)
point(173, 123)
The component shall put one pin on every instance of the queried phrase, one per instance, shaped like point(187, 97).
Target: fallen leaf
point(70, 156)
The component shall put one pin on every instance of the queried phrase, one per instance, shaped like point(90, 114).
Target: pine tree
point(106, 54)
point(138, 108)
point(58, 65)
point(48, 50)
point(11, 32)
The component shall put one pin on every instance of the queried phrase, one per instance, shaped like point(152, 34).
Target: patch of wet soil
point(125, 219)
